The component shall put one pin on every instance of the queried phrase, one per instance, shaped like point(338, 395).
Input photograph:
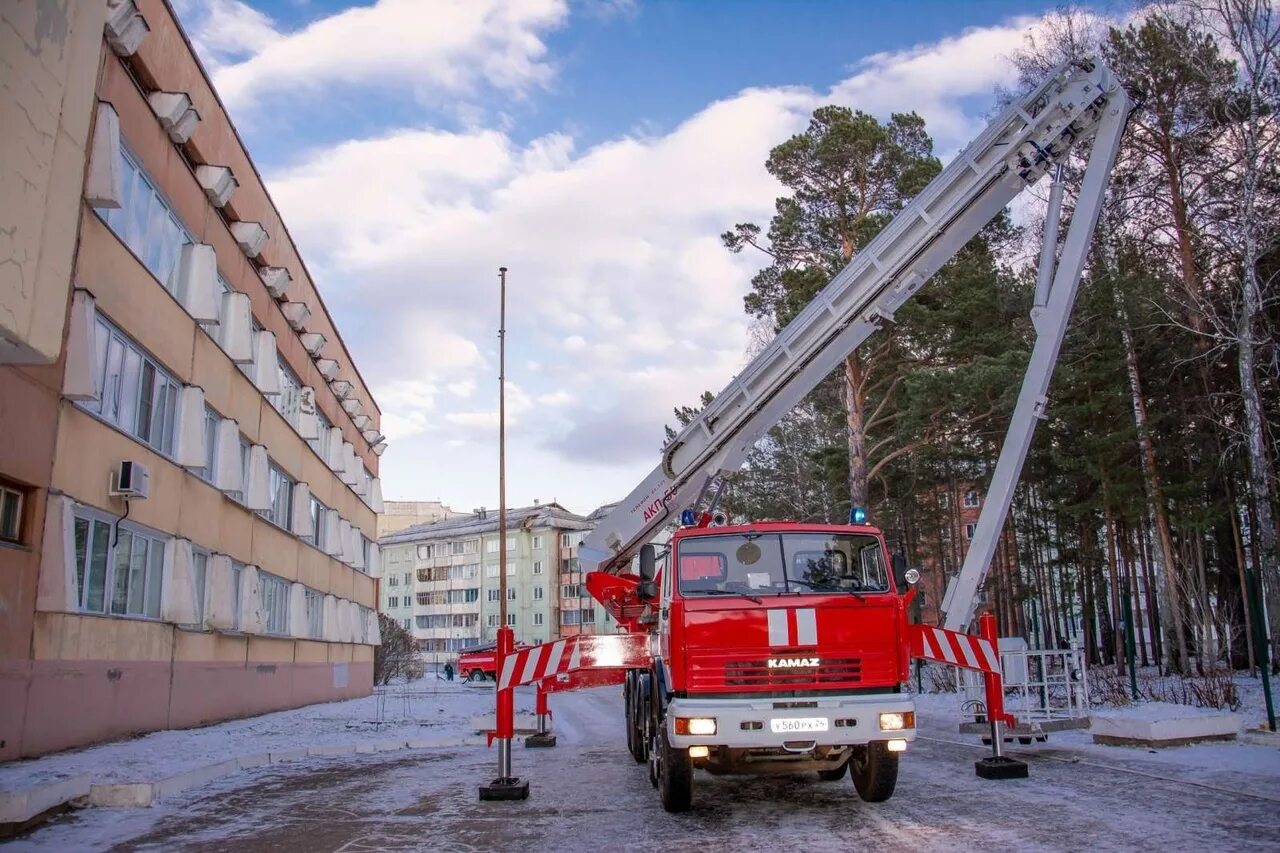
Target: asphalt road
point(587, 793)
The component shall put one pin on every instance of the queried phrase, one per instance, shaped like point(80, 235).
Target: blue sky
point(597, 148)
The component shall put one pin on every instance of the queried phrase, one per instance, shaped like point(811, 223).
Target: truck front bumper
point(751, 723)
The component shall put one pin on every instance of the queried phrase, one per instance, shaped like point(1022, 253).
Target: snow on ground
point(429, 709)
point(587, 793)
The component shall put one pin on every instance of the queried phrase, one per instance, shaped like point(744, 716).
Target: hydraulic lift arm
point(1031, 137)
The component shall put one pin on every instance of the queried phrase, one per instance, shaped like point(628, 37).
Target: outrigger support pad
point(539, 740)
point(508, 788)
point(1000, 767)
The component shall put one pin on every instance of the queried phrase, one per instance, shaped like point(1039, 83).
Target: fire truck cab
point(778, 647)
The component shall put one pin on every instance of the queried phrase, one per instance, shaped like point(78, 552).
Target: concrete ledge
point(124, 795)
point(1159, 724)
point(1261, 737)
point(333, 749)
point(199, 776)
point(18, 807)
point(288, 755)
point(247, 762)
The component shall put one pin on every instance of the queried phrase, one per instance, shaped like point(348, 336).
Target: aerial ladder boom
point(1031, 137)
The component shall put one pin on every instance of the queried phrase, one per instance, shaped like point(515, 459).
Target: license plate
point(798, 724)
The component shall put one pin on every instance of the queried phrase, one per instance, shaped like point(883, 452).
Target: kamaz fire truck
point(784, 646)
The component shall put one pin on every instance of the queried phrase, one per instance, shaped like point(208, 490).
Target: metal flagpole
point(505, 786)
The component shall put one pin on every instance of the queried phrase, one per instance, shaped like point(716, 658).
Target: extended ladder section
point(1032, 136)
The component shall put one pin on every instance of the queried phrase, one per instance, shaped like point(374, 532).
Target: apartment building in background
point(189, 479)
point(441, 580)
point(397, 515)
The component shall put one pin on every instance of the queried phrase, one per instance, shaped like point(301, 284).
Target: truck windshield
point(780, 563)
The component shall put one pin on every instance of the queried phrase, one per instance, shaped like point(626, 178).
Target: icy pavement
point(588, 793)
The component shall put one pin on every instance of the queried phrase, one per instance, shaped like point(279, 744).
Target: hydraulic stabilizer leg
point(997, 765)
point(543, 737)
point(505, 786)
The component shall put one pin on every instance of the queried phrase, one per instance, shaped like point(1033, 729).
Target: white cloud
point(621, 301)
point(438, 50)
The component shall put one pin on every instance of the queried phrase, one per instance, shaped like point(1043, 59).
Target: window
point(408, 576)
point(314, 602)
point(145, 223)
point(320, 444)
point(211, 420)
point(317, 536)
point(944, 534)
point(426, 552)
point(971, 499)
point(10, 514)
point(537, 641)
point(134, 392)
point(511, 619)
point(455, 548)
point(494, 594)
point(537, 567)
point(471, 546)
point(511, 594)
point(280, 487)
point(237, 575)
point(537, 593)
point(491, 571)
point(537, 619)
point(570, 590)
point(570, 617)
point(393, 580)
point(588, 615)
point(118, 574)
point(199, 572)
point(944, 500)
point(288, 401)
point(273, 595)
point(537, 543)
point(493, 620)
point(968, 530)
point(564, 540)
point(424, 575)
point(467, 572)
point(491, 546)
point(406, 624)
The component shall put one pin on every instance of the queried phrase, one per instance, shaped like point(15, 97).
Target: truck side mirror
point(648, 562)
point(902, 575)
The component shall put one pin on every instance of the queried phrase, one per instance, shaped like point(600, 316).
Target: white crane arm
point(1032, 136)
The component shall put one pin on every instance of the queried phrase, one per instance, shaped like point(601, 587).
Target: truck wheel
point(675, 777)
point(875, 772)
point(476, 675)
point(834, 775)
point(634, 743)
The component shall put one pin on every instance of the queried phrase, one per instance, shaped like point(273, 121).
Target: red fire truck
point(781, 646)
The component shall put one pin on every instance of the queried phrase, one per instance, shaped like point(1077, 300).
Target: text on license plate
point(798, 724)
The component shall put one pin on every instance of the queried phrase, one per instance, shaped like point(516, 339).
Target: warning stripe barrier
point(573, 654)
point(962, 650)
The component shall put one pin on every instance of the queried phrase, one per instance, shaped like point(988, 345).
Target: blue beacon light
point(857, 515)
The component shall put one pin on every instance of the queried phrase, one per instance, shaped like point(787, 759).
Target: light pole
point(505, 786)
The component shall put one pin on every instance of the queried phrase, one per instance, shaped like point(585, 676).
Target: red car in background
point(480, 662)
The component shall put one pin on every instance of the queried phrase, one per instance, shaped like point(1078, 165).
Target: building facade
point(397, 515)
point(189, 479)
point(441, 580)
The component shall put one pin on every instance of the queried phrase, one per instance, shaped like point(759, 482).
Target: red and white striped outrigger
point(594, 660)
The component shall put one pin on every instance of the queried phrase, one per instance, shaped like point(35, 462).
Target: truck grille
point(758, 673)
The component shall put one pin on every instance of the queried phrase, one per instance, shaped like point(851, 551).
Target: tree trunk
point(1117, 632)
point(1155, 491)
point(855, 415)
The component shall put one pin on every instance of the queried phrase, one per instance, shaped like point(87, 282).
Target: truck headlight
point(896, 721)
point(695, 725)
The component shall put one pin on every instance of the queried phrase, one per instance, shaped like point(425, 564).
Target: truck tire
point(635, 736)
point(875, 772)
point(675, 777)
point(476, 675)
point(834, 775)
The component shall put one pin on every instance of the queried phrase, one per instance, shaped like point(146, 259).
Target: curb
point(131, 795)
point(20, 806)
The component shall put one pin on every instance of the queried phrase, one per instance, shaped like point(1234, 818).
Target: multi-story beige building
point(189, 472)
point(397, 515)
point(441, 580)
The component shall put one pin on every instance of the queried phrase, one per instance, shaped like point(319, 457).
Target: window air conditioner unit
point(131, 481)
